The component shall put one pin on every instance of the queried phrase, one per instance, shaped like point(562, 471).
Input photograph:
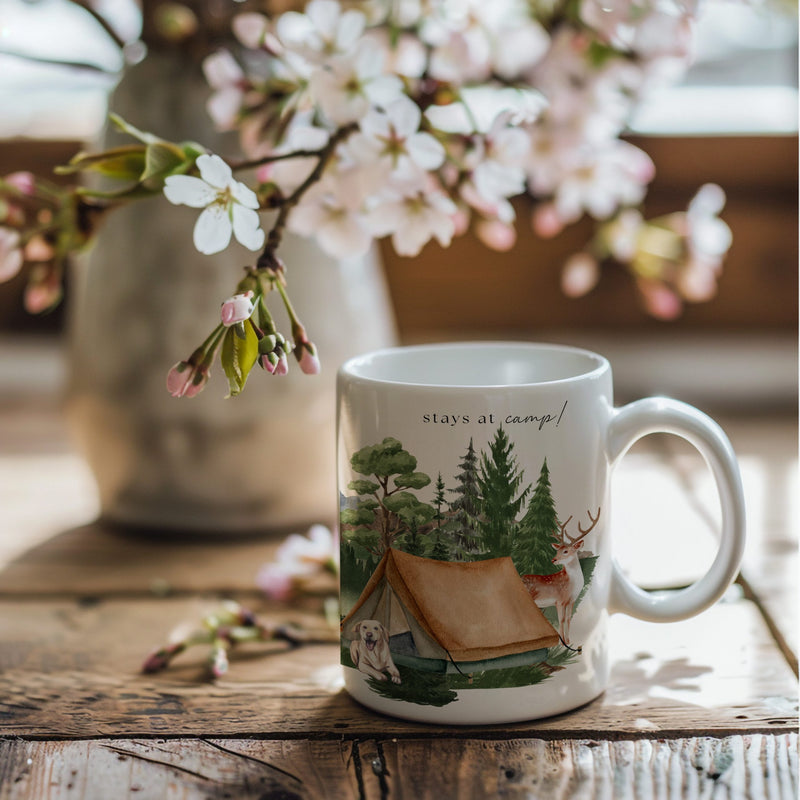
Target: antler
point(594, 522)
point(566, 538)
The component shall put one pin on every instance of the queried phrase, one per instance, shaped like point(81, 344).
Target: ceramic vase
point(144, 298)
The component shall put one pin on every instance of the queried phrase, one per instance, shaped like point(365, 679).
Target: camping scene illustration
point(473, 587)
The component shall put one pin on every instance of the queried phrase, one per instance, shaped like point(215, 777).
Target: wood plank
point(755, 766)
point(70, 669)
point(159, 769)
point(769, 458)
point(731, 767)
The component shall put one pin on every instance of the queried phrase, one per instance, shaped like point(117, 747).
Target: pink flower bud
point(219, 662)
point(309, 360)
point(37, 249)
point(659, 301)
point(282, 367)
point(268, 361)
point(237, 308)
point(580, 275)
point(43, 290)
point(275, 581)
point(186, 380)
point(264, 173)
point(24, 181)
point(496, 235)
point(159, 659)
point(546, 221)
point(461, 221)
point(155, 661)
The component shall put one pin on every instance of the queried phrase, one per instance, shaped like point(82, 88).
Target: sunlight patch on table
point(59, 487)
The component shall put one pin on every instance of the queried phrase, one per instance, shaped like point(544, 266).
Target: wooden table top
point(701, 708)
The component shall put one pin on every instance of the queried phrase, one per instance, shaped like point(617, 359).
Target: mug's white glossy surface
point(551, 403)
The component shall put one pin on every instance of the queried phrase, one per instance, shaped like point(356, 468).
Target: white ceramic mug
point(477, 572)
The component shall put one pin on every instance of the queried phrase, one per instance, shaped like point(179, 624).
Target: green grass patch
point(437, 689)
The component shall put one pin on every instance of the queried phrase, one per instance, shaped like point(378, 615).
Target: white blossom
point(646, 27)
point(227, 79)
point(323, 30)
point(602, 179)
point(228, 206)
point(393, 137)
point(333, 212)
point(413, 219)
point(708, 234)
point(10, 254)
point(350, 85)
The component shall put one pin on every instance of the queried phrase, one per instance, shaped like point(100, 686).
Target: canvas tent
point(445, 616)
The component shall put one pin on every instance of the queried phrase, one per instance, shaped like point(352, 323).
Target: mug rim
point(353, 368)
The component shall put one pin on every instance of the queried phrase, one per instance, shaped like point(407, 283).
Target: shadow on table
point(101, 559)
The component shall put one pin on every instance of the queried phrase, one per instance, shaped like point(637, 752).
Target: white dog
point(370, 651)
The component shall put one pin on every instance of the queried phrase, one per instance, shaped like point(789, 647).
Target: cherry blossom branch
point(268, 260)
point(230, 625)
point(237, 166)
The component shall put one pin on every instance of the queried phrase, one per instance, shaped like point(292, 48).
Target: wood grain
point(754, 766)
point(159, 769)
point(741, 766)
point(70, 669)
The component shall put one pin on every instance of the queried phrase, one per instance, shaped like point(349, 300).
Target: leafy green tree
point(537, 534)
point(384, 509)
point(499, 485)
point(465, 510)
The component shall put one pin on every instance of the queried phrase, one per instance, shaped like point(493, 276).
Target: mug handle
point(663, 415)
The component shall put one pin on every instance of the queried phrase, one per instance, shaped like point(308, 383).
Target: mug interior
point(476, 364)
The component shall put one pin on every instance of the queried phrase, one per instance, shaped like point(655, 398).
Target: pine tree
point(411, 541)
point(537, 535)
point(439, 501)
point(465, 509)
point(441, 550)
point(499, 483)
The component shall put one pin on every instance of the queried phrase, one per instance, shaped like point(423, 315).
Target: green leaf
point(119, 163)
point(419, 513)
point(238, 357)
point(384, 459)
point(132, 130)
point(400, 501)
point(363, 487)
point(192, 150)
point(161, 160)
point(359, 551)
point(134, 192)
point(416, 480)
point(356, 516)
point(363, 541)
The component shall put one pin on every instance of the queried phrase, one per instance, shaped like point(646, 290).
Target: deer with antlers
point(563, 588)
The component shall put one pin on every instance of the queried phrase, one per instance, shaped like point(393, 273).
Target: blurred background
point(732, 121)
